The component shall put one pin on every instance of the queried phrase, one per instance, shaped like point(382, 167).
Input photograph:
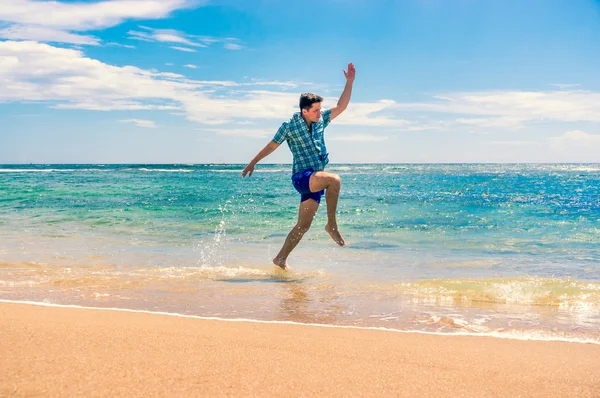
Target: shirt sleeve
point(282, 134)
point(326, 115)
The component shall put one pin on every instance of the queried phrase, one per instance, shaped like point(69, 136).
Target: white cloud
point(51, 35)
point(81, 16)
point(514, 108)
point(140, 123)
point(513, 143)
point(111, 44)
point(184, 49)
point(565, 86)
point(164, 36)
point(31, 71)
point(243, 106)
point(66, 79)
point(36, 71)
point(255, 133)
point(493, 122)
point(191, 66)
point(575, 137)
point(438, 126)
point(222, 83)
point(183, 40)
point(256, 82)
point(371, 114)
point(173, 38)
point(358, 137)
point(233, 46)
point(115, 106)
point(55, 22)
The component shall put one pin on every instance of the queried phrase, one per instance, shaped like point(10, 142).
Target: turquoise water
point(508, 250)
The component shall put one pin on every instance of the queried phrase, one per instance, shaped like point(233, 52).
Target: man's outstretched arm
point(345, 97)
point(266, 151)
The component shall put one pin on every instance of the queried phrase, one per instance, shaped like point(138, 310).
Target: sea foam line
point(211, 318)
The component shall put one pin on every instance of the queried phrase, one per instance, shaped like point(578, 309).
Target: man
point(304, 133)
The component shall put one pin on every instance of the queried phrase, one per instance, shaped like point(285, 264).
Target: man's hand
point(342, 103)
point(351, 73)
point(266, 151)
point(248, 170)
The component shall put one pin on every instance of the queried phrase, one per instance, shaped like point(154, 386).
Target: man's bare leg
point(332, 184)
point(306, 214)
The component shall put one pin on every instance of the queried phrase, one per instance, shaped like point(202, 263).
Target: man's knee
point(335, 181)
point(303, 226)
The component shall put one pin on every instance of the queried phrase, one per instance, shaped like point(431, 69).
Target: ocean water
point(504, 250)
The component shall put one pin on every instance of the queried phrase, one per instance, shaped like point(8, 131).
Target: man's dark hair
point(308, 99)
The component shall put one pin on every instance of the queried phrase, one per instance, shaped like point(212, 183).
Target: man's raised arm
point(266, 151)
point(345, 97)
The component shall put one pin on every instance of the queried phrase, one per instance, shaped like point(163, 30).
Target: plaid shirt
point(308, 148)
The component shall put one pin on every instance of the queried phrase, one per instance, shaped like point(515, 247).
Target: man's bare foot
point(335, 235)
point(281, 263)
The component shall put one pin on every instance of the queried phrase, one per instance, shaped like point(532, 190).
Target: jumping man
point(304, 133)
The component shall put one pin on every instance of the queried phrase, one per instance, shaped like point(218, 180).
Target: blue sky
point(184, 81)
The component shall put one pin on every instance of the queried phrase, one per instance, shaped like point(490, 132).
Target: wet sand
point(50, 351)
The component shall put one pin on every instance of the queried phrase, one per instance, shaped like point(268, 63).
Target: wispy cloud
point(184, 49)
point(119, 45)
point(45, 34)
point(417, 126)
point(358, 137)
point(233, 46)
point(255, 133)
point(494, 122)
point(565, 86)
point(65, 78)
point(165, 36)
point(377, 113)
point(56, 22)
point(514, 143)
point(575, 137)
point(512, 108)
point(34, 71)
point(191, 66)
point(173, 36)
point(258, 82)
point(140, 123)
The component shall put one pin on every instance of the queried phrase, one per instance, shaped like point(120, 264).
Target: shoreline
point(57, 351)
point(290, 164)
point(493, 335)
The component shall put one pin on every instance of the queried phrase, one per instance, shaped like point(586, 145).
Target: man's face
point(314, 113)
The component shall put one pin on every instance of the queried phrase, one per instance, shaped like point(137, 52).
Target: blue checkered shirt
point(308, 148)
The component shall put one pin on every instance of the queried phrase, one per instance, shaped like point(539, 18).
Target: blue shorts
point(301, 183)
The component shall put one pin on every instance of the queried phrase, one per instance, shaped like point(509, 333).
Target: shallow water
point(509, 250)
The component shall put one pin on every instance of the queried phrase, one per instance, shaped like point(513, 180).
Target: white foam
point(226, 171)
point(342, 168)
point(27, 170)
point(240, 171)
point(167, 170)
point(527, 336)
point(46, 170)
point(213, 272)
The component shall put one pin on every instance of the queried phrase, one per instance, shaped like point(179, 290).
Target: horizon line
point(286, 164)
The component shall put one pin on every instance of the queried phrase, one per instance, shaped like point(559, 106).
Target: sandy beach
point(50, 351)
